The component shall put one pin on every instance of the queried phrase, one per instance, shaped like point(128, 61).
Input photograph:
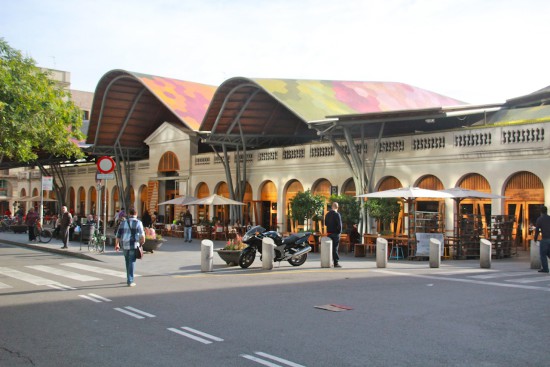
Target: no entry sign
point(105, 164)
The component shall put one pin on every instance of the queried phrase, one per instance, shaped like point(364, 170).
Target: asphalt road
point(58, 310)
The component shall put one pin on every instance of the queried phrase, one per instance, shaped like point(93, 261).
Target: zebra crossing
point(56, 276)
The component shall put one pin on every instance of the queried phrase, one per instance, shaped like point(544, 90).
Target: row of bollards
point(268, 253)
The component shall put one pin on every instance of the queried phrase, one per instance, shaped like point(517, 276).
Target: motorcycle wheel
point(247, 257)
point(297, 261)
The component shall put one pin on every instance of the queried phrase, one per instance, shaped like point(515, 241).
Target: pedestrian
point(543, 227)
point(30, 221)
point(333, 222)
point(146, 219)
point(66, 221)
point(188, 226)
point(131, 234)
point(354, 237)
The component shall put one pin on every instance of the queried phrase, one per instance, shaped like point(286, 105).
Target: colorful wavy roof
point(316, 99)
point(188, 100)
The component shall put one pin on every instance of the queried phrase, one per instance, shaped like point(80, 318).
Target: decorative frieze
point(294, 153)
point(248, 157)
point(526, 135)
point(392, 146)
point(436, 142)
point(321, 151)
point(201, 161)
point(473, 139)
point(268, 156)
point(360, 148)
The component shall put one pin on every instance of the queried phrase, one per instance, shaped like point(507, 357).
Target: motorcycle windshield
point(254, 230)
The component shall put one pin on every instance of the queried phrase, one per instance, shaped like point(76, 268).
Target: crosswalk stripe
point(96, 269)
point(190, 336)
point(26, 277)
point(215, 338)
point(534, 279)
point(139, 311)
point(3, 286)
point(63, 273)
point(501, 275)
point(129, 313)
point(61, 287)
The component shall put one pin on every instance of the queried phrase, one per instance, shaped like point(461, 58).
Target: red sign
point(105, 164)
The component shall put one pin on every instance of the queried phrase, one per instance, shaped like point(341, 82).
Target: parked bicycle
point(96, 241)
point(43, 235)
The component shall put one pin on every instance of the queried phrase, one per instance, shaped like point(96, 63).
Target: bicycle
point(43, 235)
point(96, 241)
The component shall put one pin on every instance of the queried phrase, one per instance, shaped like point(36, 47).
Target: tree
point(36, 114)
point(306, 206)
point(349, 209)
point(384, 210)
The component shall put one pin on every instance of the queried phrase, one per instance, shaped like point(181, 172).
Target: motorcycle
point(293, 248)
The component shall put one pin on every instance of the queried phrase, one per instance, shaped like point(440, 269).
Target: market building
point(171, 138)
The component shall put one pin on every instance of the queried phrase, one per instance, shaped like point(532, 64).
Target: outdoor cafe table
point(370, 244)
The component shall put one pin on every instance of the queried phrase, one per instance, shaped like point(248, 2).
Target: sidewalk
point(178, 257)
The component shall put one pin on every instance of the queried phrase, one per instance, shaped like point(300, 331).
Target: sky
point(476, 51)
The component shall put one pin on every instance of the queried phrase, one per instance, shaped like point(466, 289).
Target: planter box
point(152, 245)
point(231, 257)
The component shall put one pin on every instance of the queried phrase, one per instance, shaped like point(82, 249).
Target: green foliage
point(36, 114)
point(384, 210)
point(348, 207)
point(305, 205)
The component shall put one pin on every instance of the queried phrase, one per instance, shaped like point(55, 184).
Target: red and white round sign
point(105, 164)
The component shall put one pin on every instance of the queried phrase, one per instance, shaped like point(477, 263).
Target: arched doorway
point(222, 211)
point(93, 201)
point(268, 207)
point(429, 214)
point(292, 189)
point(247, 200)
point(81, 201)
point(143, 200)
point(524, 194)
point(474, 207)
point(72, 199)
point(349, 187)
point(168, 168)
point(390, 183)
point(202, 210)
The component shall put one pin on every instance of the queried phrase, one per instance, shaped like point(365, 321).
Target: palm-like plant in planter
point(384, 210)
point(306, 206)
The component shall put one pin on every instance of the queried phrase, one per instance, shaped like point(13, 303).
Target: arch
point(248, 200)
point(72, 199)
point(524, 192)
point(168, 162)
point(202, 191)
point(292, 188)
point(389, 183)
point(322, 187)
point(132, 203)
point(348, 188)
point(81, 207)
point(266, 208)
point(473, 207)
point(115, 199)
point(143, 199)
point(222, 211)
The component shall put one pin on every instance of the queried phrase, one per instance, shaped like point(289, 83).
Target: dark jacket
point(333, 221)
point(543, 226)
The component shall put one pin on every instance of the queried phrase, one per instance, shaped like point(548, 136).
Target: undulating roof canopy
point(129, 106)
point(279, 111)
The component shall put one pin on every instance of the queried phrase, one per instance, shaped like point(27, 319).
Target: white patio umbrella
point(38, 198)
point(215, 200)
point(182, 200)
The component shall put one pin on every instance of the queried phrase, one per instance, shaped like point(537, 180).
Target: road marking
point(501, 275)
point(533, 279)
point(63, 273)
point(461, 280)
point(95, 298)
point(134, 312)
point(61, 287)
point(194, 337)
point(96, 269)
point(268, 363)
point(3, 286)
point(26, 277)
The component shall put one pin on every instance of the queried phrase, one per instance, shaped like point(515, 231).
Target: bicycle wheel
point(45, 236)
point(92, 244)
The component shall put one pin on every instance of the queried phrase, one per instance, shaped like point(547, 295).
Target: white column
point(535, 255)
point(268, 253)
point(207, 256)
point(435, 253)
point(485, 250)
point(326, 252)
point(381, 252)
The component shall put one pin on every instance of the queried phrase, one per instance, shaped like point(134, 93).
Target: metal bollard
point(535, 255)
point(268, 253)
point(326, 252)
point(485, 252)
point(207, 256)
point(381, 252)
point(435, 253)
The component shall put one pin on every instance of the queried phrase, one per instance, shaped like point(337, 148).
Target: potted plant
point(305, 206)
point(385, 211)
point(232, 251)
point(152, 240)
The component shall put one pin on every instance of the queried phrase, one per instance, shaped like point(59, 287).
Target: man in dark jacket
point(30, 221)
point(333, 222)
point(543, 226)
point(66, 220)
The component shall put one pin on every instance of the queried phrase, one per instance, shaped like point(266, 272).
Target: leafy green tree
point(36, 114)
point(349, 209)
point(306, 206)
point(384, 210)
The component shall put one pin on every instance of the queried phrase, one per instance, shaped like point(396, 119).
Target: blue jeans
point(130, 258)
point(335, 237)
point(187, 233)
point(544, 253)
